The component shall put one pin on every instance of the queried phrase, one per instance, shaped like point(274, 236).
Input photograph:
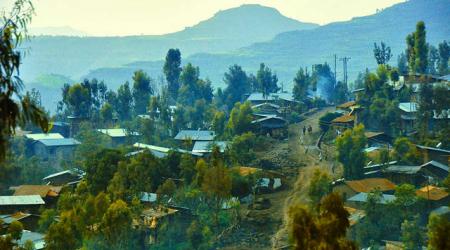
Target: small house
point(29, 221)
point(435, 196)
point(24, 203)
point(350, 188)
point(404, 174)
point(205, 147)
point(119, 136)
point(195, 135)
point(408, 116)
point(273, 125)
point(434, 154)
point(280, 99)
point(267, 108)
point(48, 193)
point(63, 177)
point(360, 199)
point(55, 149)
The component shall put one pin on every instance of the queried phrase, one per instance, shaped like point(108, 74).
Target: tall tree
point(172, 70)
point(14, 108)
point(266, 80)
point(319, 186)
point(420, 49)
point(402, 64)
point(410, 53)
point(438, 228)
point(240, 119)
point(124, 102)
point(350, 153)
point(142, 90)
point(433, 60)
point(382, 53)
point(444, 55)
point(237, 85)
point(301, 84)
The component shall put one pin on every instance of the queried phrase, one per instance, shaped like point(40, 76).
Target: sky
point(152, 17)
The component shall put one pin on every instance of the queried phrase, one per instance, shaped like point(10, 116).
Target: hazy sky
point(128, 17)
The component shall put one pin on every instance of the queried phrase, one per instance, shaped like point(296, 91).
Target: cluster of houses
point(425, 177)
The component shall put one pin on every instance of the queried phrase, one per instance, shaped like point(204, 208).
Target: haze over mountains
point(227, 30)
point(227, 38)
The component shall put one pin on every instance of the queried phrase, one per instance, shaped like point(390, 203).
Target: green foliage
point(142, 90)
point(192, 87)
point(167, 189)
point(405, 151)
point(15, 229)
point(116, 223)
point(240, 119)
point(106, 114)
point(46, 219)
point(15, 108)
point(240, 151)
point(302, 82)
point(382, 53)
point(266, 81)
point(172, 70)
point(195, 234)
point(237, 83)
point(219, 122)
point(420, 48)
point(325, 229)
point(100, 169)
point(444, 55)
point(438, 228)
point(350, 153)
point(412, 236)
point(402, 64)
point(319, 186)
point(124, 102)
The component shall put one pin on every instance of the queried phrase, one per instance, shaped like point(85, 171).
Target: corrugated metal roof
point(436, 164)
point(43, 136)
point(148, 197)
point(41, 190)
point(433, 149)
point(271, 97)
point(37, 239)
point(344, 119)
point(163, 149)
point(369, 184)
point(196, 135)
point(59, 142)
point(408, 107)
point(362, 197)
point(59, 174)
point(21, 200)
point(403, 169)
point(432, 193)
point(117, 132)
point(206, 146)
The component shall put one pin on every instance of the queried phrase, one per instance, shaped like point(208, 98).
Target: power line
point(345, 62)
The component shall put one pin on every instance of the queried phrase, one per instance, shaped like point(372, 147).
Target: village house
point(271, 125)
point(55, 149)
point(29, 221)
point(64, 177)
point(152, 219)
point(267, 109)
point(434, 196)
point(48, 193)
point(23, 203)
point(119, 136)
point(434, 154)
point(205, 147)
point(360, 199)
point(280, 99)
point(408, 116)
point(195, 135)
point(350, 188)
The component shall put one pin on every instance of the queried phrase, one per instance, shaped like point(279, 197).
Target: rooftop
point(206, 146)
point(266, 104)
point(432, 193)
point(195, 135)
point(434, 149)
point(369, 184)
point(148, 197)
point(117, 132)
point(59, 142)
point(36, 238)
point(41, 190)
point(346, 105)
point(43, 136)
point(21, 200)
point(9, 218)
point(70, 172)
point(403, 169)
point(163, 150)
point(362, 197)
point(271, 97)
point(408, 107)
point(344, 119)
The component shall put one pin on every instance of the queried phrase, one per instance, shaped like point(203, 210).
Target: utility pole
point(335, 73)
point(345, 62)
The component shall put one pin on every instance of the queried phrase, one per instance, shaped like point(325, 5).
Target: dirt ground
point(267, 229)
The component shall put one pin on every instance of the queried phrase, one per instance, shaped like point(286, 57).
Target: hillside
point(225, 31)
point(290, 50)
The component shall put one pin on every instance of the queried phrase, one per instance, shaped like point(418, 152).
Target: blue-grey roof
point(441, 210)
point(362, 197)
point(408, 107)
point(36, 238)
point(271, 97)
point(43, 136)
point(436, 164)
point(434, 149)
point(206, 146)
point(117, 132)
point(148, 197)
point(59, 142)
point(195, 135)
point(403, 169)
point(19, 200)
point(163, 151)
point(445, 78)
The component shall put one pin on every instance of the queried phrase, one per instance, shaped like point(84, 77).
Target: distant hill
point(225, 31)
point(56, 31)
point(290, 50)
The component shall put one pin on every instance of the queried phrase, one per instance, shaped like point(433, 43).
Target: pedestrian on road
point(304, 130)
point(310, 129)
